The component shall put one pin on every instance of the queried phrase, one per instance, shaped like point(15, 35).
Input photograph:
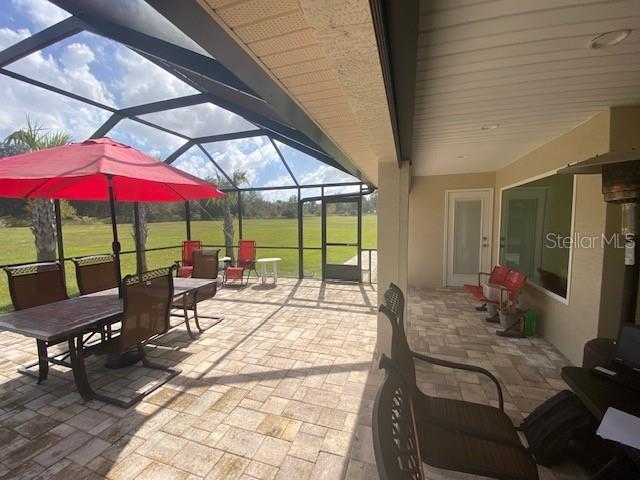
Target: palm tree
point(42, 211)
point(230, 198)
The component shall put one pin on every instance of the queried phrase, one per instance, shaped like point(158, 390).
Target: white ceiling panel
point(522, 64)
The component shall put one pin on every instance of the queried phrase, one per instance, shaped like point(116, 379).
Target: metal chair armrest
point(480, 275)
point(462, 366)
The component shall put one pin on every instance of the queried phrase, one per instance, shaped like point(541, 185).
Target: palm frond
point(35, 137)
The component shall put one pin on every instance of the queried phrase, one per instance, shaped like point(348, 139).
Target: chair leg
point(76, 351)
point(43, 361)
point(196, 318)
point(186, 317)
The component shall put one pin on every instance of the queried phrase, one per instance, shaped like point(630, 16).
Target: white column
point(393, 230)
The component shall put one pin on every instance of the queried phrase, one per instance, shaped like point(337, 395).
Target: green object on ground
point(529, 323)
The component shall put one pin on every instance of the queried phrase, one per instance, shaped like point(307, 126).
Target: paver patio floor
point(282, 388)
point(445, 324)
point(279, 389)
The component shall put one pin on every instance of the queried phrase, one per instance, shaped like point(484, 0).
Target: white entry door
point(469, 216)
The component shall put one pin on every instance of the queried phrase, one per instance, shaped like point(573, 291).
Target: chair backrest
point(188, 247)
point(513, 285)
point(147, 301)
point(205, 265)
point(246, 253)
point(394, 301)
point(499, 274)
point(514, 281)
point(96, 273)
point(36, 284)
point(400, 349)
point(395, 441)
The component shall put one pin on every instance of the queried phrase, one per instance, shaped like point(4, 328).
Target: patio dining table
point(71, 319)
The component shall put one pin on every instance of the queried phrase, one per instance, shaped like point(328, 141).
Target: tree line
point(16, 212)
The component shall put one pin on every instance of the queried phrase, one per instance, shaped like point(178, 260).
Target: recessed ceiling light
point(608, 39)
point(491, 126)
point(464, 155)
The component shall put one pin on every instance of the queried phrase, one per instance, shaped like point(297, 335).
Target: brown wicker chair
point(205, 265)
point(96, 273)
point(147, 301)
point(492, 445)
point(395, 441)
point(37, 284)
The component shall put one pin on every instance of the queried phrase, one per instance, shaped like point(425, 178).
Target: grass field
point(82, 240)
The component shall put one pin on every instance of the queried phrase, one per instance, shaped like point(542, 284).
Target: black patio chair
point(489, 442)
point(205, 265)
point(32, 285)
point(95, 273)
point(401, 442)
point(147, 301)
point(395, 440)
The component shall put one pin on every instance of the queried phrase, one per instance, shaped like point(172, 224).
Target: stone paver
point(445, 324)
point(282, 388)
point(264, 394)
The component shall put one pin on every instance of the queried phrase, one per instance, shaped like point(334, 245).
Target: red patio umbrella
point(99, 169)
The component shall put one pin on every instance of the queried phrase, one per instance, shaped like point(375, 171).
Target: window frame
point(549, 293)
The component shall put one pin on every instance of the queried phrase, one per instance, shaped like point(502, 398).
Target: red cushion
point(234, 273)
point(185, 272)
point(473, 289)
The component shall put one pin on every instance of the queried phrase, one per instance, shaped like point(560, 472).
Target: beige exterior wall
point(568, 325)
point(593, 305)
point(427, 223)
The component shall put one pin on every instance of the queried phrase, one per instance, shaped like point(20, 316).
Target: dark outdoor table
point(71, 319)
point(598, 394)
point(78, 314)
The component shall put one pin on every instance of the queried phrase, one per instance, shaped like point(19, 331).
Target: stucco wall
point(426, 223)
point(568, 326)
point(593, 305)
point(393, 207)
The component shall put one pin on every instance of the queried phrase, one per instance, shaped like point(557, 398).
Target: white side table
point(262, 263)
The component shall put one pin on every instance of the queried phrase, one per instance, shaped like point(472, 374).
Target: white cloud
point(76, 56)
point(51, 110)
point(200, 120)
point(48, 109)
point(197, 165)
point(273, 195)
point(326, 174)
point(249, 154)
point(10, 37)
point(144, 82)
point(71, 73)
point(149, 140)
point(41, 12)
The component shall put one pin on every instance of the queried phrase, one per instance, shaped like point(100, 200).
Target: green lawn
point(82, 240)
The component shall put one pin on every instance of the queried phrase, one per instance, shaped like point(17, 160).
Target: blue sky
point(111, 74)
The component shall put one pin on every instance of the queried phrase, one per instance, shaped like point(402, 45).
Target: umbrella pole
point(114, 227)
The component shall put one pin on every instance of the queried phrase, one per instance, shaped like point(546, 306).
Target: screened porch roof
point(94, 77)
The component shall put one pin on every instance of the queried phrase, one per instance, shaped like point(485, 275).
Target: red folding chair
point(247, 256)
point(496, 277)
point(511, 288)
point(185, 268)
point(509, 291)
